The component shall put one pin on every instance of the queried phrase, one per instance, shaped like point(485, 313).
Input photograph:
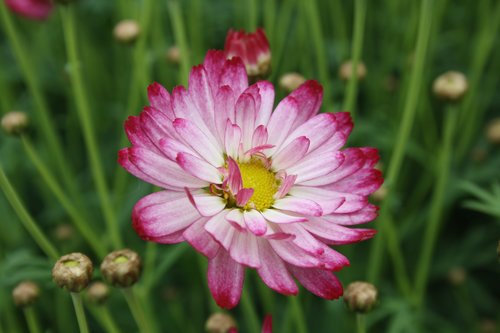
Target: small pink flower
point(252, 48)
point(248, 186)
point(32, 9)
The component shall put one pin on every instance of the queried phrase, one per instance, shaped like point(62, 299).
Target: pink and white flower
point(252, 48)
point(33, 9)
point(248, 186)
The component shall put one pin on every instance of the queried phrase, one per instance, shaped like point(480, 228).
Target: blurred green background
point(434, 260)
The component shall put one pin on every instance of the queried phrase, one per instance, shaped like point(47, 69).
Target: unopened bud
point(457, 276)
point(345, 70)
point(220, 323)
point(121, 268)
point(173, 55)
point(380, 194)
point(98, 293)
point(15, 122)
point(493, 131)
point(73, 272)
point(25, 293)
point(450, 86)
point(127, 31)
point(291, 81)
point(360, 296)
point(64, 232)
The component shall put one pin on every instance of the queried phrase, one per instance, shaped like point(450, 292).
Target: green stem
point(249, 311)
point(360, 323)
point(298, 314)
point(357, 48)
point(101, 313)
point(252, 15)
point(176, 17)
point(395, 163)
point(319, 46)
point(80, 313)
point(76, 216)
point(31, 320)
point(437, 207)
point(26, 218)
point(44, 119)
point(84, 113)
point(137, 310)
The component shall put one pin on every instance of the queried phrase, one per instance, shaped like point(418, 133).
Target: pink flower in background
point(252, 48)
point(248, 186)
point(33, 9)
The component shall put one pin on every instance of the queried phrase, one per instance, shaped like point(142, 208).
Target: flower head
point(32, 9)
point(73, 272)
point(253, 49)
point(248, 186)
point(121, 268)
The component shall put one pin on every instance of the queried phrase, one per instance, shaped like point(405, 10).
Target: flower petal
point(365, 214)
point(159, 98)
point(205, 145)
point(309, 97)
point(328, 200)
point(312, 170)
point(206, 204)
point(234, 75)
point(292, 153)
point(200, 91)
point(234, 180)
point(244, 249)
point(224, 111)
point(319, 282)
point(161, 214)
point(199, 168)
point(277, 216)
point(220, 229)
point(273, 270)
point(200, 239)
point(160, 169)
point(225, 279)
point(255, 222)
point(298, 205)
point(245, 118)
point(337, 234)
point(266, 91)
point(281, 122)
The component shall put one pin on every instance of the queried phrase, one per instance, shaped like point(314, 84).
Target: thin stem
point(360, 323)
point(249, 311)
point(314, 25)
point(252, 15)
point(137, 310)
point(101, 313)
point(26, 219)
point(437, 207)
point(357, 48)
point(45, 120)
point(80, 313)
point(394, 167)
point(84, 113)
point(76, 216)
point(176, 17)
point(298, 314)
point(31, 320)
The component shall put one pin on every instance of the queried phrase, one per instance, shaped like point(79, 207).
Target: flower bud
point(380, 194)
point(25, 293)
point(31, 9)
point(291, 81)
point(64, 232)
point(98, 293)
point(173, 55)
point(345, 70)
point(220, 323)
point(127, 31)
point(457, 276)
point(493, 131)
point(253, 49)
point(450, 86)
point(73, 272)
point(121, 268)
point(15, 122)
point(360, 296)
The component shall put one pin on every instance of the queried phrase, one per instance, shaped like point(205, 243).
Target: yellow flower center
point(255, 175)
